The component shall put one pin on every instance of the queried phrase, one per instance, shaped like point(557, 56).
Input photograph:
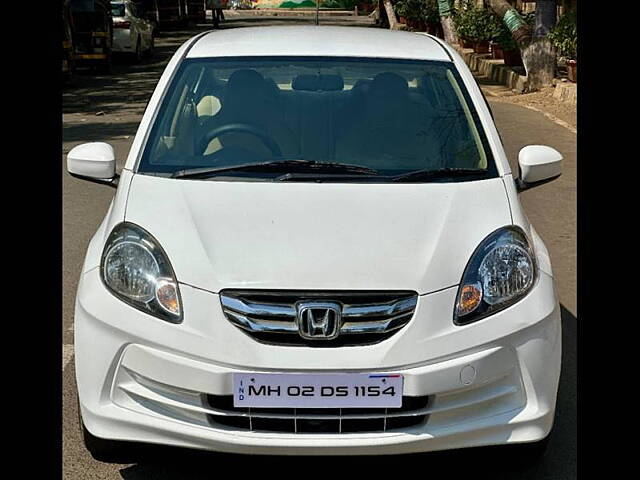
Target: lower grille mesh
point(318, 420)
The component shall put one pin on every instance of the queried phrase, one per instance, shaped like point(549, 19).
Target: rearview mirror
point(95, 162)
point(538, 164)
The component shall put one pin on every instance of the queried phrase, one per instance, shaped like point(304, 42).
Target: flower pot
point(439, 31)
point(481, 46)
point(413, 24)
point(432, 28)
point(465, 43)
point(512, 58)
point(496, 52)
point(572, 71)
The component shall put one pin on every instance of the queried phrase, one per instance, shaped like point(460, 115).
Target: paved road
point(108, 108)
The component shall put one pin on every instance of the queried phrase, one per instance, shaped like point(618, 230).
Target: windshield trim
point(161, 100)
point(143, 151)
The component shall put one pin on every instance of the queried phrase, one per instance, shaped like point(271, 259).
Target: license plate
point(293, 390)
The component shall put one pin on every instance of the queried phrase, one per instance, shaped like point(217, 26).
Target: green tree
point(537, 50)
point(565, 35)
point(445, 7)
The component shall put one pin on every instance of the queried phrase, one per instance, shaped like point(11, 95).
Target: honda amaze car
point(133, 32)
point(316, 247)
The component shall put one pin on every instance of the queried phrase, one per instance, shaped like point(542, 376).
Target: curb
point(566, 92)
point(553, 118)
point(495, 70)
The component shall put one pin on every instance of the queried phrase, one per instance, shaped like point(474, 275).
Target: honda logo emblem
point(318, 320)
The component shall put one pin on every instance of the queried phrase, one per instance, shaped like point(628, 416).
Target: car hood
point(318, 236)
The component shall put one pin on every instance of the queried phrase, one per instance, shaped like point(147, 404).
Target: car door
point(144, 27)
point(136, 27)
point(148, 26)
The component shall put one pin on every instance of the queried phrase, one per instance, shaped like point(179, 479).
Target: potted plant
point(401, 9)
point(414, 13)
point(564, 37)
point(431, 15)
point(365, 6)
point(466, 42)
point(476, 25)
point(572, 70)
point(486, 26)
point(462, 19)
point(496, 50)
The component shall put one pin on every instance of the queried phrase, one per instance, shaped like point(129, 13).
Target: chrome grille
point(366, 317)
point(414, 411)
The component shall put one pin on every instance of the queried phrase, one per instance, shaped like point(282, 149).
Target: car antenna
point(317, 12)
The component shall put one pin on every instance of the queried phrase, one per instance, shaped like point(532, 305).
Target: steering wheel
point(269, 142)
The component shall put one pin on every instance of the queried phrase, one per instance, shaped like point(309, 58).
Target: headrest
point(362, 85)
point(315, 83)
point(425, 86)
point(388, 82)
point(246, 80)
point(270, 86)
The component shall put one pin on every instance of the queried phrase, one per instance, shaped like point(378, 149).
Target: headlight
point(501, 271)
point(135, 269)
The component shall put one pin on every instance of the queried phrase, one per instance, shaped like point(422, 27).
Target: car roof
point(312, 40)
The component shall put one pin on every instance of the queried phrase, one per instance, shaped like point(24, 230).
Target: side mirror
point(538, 164)
point(95, 162)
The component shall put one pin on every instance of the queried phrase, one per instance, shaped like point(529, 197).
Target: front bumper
point(142, 379)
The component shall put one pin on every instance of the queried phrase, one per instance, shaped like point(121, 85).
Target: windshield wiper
point(204, 172)
point(428, 174)
point(322, 177)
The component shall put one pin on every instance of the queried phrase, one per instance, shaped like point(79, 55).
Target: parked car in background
point(316, 247)
point(132, 32)
point(92, 33)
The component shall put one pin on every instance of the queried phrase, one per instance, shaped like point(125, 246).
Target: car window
point(394, 116)
point(83, 5)
point(118, 9)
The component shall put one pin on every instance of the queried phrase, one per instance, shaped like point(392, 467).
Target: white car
point(132, 32)
point(316, 247)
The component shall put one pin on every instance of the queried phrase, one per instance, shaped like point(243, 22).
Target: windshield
point(117, 9)
point(390, 116)
point(83, 5)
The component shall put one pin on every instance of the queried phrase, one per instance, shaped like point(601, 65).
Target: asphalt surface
point(109, 107)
